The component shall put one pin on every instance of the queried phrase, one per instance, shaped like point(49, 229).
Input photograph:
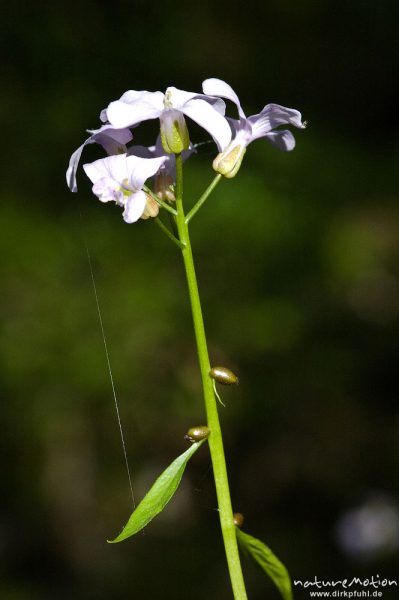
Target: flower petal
point(134, 208)
point(111, 167)
point(178, 97)
point(217, 103)
point(142, 151)
point(135, 107)
point(106, 190)
point(241, 130)
point(217, 87)
point(109, 137)
point(73, 165)
point(272, 116)
point(113, 140)
point(128, 97)
point(210, 119)
point(141, 168)
point(281, 139)
point(132, 96)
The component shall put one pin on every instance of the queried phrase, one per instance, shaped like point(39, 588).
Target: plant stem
point(204, 196)
point(215, 438)
point(170, 235)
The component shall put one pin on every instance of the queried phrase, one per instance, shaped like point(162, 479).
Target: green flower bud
point(223, 375)
point(174, 132)
point(198, 433)
point(229, 161)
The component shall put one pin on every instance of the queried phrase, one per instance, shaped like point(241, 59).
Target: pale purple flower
point(111, 139)
point(120, 179)
point(137, 106)
point(165, 178)
point(247, 129)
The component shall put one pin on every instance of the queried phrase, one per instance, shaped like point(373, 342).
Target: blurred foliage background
point(298, 267)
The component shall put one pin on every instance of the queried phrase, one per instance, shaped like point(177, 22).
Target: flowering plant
point(121, 177)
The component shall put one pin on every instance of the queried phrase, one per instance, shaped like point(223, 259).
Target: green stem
point(215, 438)
point(170, 235)
point(204, 196)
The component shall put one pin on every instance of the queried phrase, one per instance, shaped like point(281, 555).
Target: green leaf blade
point(158, 496)
point(267, 561)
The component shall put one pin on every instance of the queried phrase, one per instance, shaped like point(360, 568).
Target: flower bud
point(223, 375)
point(163, 186)
point(198, 433)
point(238, 519)
point(151, 208)
point(229, 161)
point(174, 132)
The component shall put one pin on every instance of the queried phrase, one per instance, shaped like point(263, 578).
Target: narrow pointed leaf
point(158, 496)
point(267, 561)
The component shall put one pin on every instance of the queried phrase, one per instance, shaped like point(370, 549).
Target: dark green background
point(298, 268)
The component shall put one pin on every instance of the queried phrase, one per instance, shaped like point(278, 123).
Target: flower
point(165, 178)
point(248, 129)
point(134, 107)
point(120, 179)
point(112, 140)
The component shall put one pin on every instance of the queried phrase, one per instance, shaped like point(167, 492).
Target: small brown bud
point(198, 433)
point(163, 186)
point(151, 208)
point(223, 375)
point(238, 519)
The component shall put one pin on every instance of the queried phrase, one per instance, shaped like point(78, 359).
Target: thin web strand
point(110, 374)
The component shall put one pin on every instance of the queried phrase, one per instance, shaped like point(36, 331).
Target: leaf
point(158, 496)
point(267, 561)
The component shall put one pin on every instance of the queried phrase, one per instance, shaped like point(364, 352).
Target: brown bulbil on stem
point(238, 519)
point(224, 376)
point(197, 434)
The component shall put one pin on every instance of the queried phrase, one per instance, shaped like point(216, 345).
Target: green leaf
point(158, 496)
point(267, 561)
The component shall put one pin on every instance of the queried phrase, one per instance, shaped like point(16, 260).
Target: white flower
point(120, 179)
point(134, 107)
point(247, 129)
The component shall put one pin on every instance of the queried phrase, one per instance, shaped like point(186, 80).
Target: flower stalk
point(167, 232)
point(204, 197)
point(215, 439)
